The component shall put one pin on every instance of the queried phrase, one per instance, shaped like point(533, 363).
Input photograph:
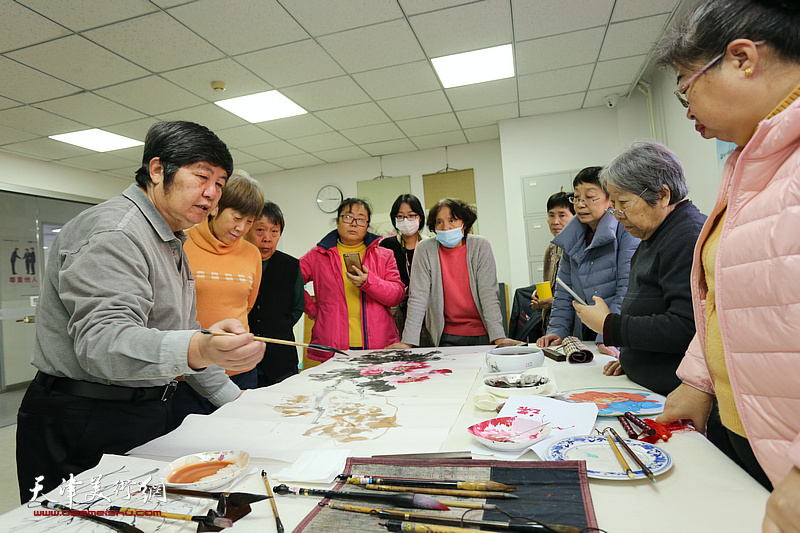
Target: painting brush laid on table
point(633, 455)
point(429, 483)
point(116, 525)
point(408, 501)
point(216, 521)
point(321, 347)
point(234, 498)
point(446, 492)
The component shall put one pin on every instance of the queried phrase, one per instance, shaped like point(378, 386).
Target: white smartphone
point(573, 293)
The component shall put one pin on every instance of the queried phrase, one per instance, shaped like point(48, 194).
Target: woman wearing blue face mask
point(453, 285)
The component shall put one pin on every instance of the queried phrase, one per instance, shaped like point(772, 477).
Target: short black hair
point(460, 210)
point(415, 205)
point(560, 199)
point(273, 214)
point(347, 202)
point(589, 176)
point(179, 143)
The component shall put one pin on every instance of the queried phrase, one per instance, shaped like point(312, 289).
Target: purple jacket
point(382, 290)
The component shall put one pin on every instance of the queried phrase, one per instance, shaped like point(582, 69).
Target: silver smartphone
point(573, 293)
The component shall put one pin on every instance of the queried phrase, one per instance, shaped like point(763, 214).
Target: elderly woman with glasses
point(596, 261)
point(738, 69)
point(655, 324)
point(356, 283)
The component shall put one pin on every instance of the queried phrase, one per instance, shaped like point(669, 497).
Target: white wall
point(295, 192)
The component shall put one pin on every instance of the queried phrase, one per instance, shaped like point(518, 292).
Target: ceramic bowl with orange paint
point(206, 470)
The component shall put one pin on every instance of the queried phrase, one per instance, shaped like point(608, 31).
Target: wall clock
point(328, 198)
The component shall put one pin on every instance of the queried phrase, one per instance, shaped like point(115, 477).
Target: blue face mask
point(451, 237)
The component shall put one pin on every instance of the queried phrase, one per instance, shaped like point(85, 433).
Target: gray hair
point(647, 165)
point(708, 31)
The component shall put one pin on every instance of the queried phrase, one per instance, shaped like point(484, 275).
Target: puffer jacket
point(758, 293)
point(600, 269)
point(382, 290)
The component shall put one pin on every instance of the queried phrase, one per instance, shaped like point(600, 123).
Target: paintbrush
point(647, 471)
point(398, 525)
point(322, 347)
point(409, 501)
point(429, 483)
point(521, 527)
point(116, 525)
point(278, 523)
point(446, 492)
point(470, 505)
point(215, 521)
point(234, 498)
point(620, 458)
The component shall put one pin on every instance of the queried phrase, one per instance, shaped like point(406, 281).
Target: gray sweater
point(426, 294)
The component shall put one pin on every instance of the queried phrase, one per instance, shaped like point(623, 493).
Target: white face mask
point(408, 227)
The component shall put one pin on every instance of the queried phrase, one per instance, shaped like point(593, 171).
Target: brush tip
point(222, 522)
point(426, 502)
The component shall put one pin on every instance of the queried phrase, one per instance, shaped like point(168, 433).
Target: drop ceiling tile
point(7, 103)
point(485, 116)
point(389, 147)
point(238, 80)
point(292, 64)
point(399, 80)
point(482, 133)
point(20, 27)
point(559, 51)
point(342, 154)
point(27, 85)
point(261, 167)
point(617, 72)
point(243, 136)
point(13, 135)
point(211, 116)
point(37, 121)
point(292, 127)
point(238, 26)
point(99, 161)
point(464, 28)
point(47, 149)
point(326, 94)
point(353, 116)
point(127, 173)
point(554, 82)
point(633, 9)
point(597, 98)
point(483, 94)
point(156, 42)
point(240, 158)
point(415, 7)
point(450, 138)
point(323, 141)
point(132, 154)
point(90, 109)
point(631, 38)
point(152, 95)
point(416, 127)
point(416, 105)
point(135, 129)
point(273, 150)
point(297, 161)
point(79, 15)
point(554, 104)
point(321, 17)
point(540, 18)
point(371, 47)
point(369, 134)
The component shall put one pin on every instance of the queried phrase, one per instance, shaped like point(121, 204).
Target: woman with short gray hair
point(656, 322)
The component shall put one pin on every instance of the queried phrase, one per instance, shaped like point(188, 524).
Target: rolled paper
point(576, 351)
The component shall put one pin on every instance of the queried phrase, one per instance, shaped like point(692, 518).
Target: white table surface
point(703, 491)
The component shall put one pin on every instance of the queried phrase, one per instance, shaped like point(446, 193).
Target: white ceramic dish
point(509, 433)
point(545, 389)
point(224, 476)
point(602, 463)
point(514, 358)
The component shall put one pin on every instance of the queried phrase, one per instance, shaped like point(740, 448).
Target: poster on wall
point(724, 150)
point(21, 267)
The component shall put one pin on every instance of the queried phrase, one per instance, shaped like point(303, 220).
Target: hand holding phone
point(352, 260)
point(573, 293)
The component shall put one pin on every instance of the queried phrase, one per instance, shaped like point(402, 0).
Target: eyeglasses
point(577, 199)
point(681, 92)
point(400, 218)
point(621, 212)
point(349, 219)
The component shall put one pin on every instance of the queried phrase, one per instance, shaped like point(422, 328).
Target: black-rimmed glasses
point(349, 219)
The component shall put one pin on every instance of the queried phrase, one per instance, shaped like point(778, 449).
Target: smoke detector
point(218, 86)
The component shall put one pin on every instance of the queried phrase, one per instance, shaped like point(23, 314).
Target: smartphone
point(352, 260)
point(573, 293)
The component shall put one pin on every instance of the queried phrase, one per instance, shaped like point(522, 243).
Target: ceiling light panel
point(97, 140)
point(489, 64)
point(260, 107)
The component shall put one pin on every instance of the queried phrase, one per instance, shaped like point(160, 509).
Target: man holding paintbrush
point(116, 319)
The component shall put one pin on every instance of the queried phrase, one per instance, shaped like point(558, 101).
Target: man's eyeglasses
point(621, 212)
point(400, 218)
point(349, 219)
point(577, 199)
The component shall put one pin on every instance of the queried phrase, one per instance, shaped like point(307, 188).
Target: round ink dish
point(205, 471)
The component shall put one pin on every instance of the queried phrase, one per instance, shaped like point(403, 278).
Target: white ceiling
point(360, 67)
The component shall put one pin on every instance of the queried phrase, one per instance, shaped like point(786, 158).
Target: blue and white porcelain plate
point(602, 463)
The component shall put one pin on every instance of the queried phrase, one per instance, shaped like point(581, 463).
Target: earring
point(748, 72)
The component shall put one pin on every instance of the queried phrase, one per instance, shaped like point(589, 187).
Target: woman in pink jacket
point(353, 300)
point(738, 68)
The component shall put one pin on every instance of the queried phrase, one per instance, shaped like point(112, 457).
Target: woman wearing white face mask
point(408, 217)
point(453, 284)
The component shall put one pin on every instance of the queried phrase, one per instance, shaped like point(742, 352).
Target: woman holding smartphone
point(356, 283)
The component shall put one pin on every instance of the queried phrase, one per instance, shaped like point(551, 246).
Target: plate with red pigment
point(206, 470)
point(618, 401)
